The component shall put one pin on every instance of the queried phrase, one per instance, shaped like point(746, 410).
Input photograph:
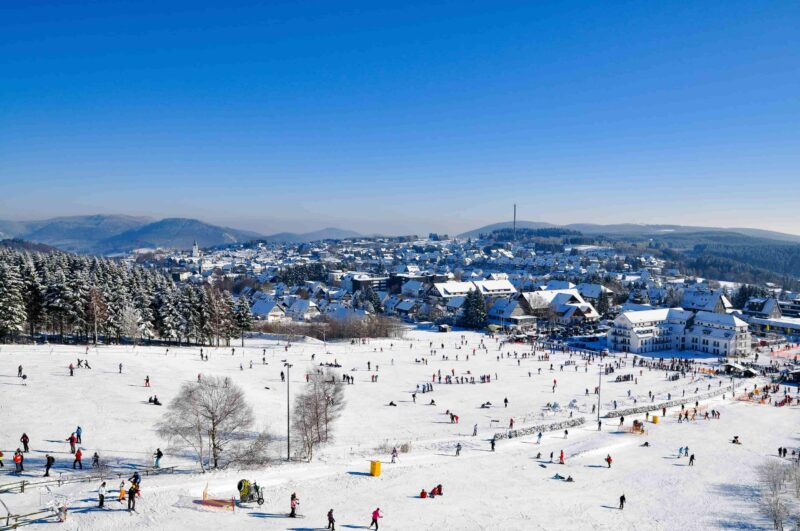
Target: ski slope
point(506, 489)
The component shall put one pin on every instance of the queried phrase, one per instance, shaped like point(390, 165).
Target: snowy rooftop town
point(246, 385)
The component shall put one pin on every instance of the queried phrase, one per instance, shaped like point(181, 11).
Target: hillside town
point(591, 295)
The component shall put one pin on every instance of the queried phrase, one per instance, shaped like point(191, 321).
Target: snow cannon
point(249, 493)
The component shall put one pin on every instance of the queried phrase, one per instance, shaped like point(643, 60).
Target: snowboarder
point(376, 514)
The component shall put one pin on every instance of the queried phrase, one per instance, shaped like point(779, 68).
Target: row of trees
point(90, 298)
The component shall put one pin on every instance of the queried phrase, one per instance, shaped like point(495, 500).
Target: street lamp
point(599, 383)
point(288, 430)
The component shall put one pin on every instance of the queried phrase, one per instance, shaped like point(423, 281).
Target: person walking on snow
point(24, 440)
point(376, 514)
point(49, 461)
point(331, 521)
point(608, 460)
point(294, 502)
point(72, 439)
point(691, 460)
point(458, 449)
point(101, 494)
point(622, 501)
point(78, 432)
point(77, 461)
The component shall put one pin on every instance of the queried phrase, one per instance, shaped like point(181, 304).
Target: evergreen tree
point(475, 315)
point(244, 317)
point(12, 305)
point(33, 296)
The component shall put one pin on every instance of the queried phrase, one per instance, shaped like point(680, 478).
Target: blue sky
point(402, 118)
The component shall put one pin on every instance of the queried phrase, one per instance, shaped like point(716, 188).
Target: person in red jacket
point(608, 460)
point(72, 439)
point(78, 457)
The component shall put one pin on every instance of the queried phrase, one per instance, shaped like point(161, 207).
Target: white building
point(676, 329)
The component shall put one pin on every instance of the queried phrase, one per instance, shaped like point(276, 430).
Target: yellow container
point(655, 419)
point(375, 468)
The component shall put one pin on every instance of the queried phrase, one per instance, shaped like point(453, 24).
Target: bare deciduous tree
point(772, 476)
point(212, 419)
point(316, 410)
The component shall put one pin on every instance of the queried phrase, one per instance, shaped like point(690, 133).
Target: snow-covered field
point(507, 489)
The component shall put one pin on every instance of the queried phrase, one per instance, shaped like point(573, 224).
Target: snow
point(507, 489)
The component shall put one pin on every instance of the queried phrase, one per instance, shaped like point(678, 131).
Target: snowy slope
point(508, 489)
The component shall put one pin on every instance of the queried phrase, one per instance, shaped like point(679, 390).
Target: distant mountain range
point(634, 229)
point(108, 234)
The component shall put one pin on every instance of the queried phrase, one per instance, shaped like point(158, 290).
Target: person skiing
point(691, 460)
point(458, 449)
point(505, 401)
point(492, 443)
point(331, 521)
point(475, 430)
point(608, 460)
point(376, 514)
point(78, 432)
point(71, 369)
point(24, 440)
point(72, 440)
point(294, 502)
point(120, 368)
point(622, 501)
point(394, 454)
point(158, 455)
point(96, 460)
point(539, 438)
point(77, 461)
point(147, 381)
point(101, 493)
point(49, 461)
point(561, 457)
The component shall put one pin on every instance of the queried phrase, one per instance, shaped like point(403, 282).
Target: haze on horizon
point(407, 118)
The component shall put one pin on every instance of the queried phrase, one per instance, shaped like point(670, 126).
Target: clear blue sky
point(405, 117)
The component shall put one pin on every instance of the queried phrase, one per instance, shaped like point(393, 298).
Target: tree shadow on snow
point(744, 495)
point(267, 515)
